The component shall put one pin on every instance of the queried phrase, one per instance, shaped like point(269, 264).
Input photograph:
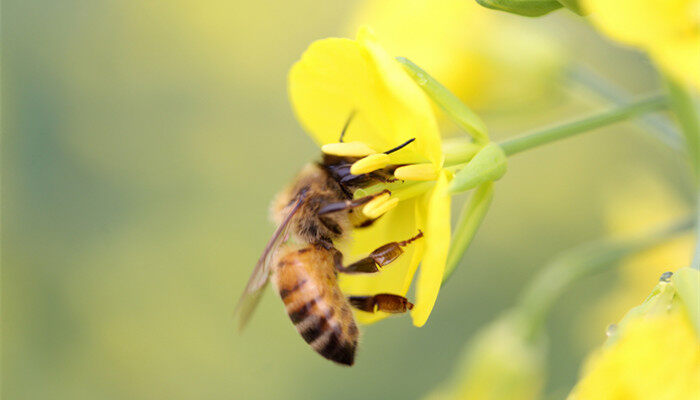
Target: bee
point(312, 214)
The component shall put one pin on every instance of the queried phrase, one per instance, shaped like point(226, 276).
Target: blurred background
point(142, 142)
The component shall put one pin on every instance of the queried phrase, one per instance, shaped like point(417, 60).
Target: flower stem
point(658, 126)
point(696, 258)
point(687, 115)
point(548, 135)
point(684, 108)
point(584, 260)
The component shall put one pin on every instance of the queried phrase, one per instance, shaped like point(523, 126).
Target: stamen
point(416, 172)
point(370, 163)
point(380, 205)
point(347, 124)
point(401, 146)
point(349, 149)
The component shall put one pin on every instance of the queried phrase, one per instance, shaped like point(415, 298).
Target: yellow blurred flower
point(644, 205)
point(499, 363)
point(490, 61)
point(669, 30)
point(653, 354)
point(655, 358)
point(337, 78)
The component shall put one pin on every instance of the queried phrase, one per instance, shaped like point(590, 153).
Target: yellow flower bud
point(654, 353)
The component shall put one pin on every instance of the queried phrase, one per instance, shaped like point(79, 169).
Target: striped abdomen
point(306, 281)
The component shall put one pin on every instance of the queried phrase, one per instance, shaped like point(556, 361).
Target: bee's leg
point(390, 303)
point(348, 204)
point(378, 258)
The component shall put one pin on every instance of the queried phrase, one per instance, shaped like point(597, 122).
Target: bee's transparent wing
point(261, 273)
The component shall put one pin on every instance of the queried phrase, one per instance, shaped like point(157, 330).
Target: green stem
point(696, 258)
point(688, 119)
point(684, 108)
point(658, 126)
point(548, 135)
point(587, 259)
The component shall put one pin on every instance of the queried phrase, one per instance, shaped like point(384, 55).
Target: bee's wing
point(259, 278)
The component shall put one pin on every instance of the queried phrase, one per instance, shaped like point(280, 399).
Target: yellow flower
point(669, 30)
point(643, 206)
point(488, 60)
point(656, 358)
point(337, 78)
point(499, 363)
point(654, 353)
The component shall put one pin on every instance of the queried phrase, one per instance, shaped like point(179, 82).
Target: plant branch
point(553, 134)
point(584, 260)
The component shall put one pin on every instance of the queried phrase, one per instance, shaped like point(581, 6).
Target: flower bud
point(468, 223)
point(654, 352)
point(488, 165)
point(527, 8)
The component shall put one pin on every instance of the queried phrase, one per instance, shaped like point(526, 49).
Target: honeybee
point(312, 214)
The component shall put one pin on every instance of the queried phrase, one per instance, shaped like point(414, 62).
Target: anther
point(379, 205)
point(416, 172)
point(349, 149)
point(370, 163)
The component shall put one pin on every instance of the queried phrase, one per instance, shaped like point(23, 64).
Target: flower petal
point(337, 77)
point(395, 278)
point(408, 113)
point(437, 245)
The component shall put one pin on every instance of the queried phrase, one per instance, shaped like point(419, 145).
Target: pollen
point(380, 205)
point(416, 172)
point(370, 163)
point(349, 149)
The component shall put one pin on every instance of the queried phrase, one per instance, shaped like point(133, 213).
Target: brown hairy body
point(307, 226)
point(305, 278)
point(313, 213)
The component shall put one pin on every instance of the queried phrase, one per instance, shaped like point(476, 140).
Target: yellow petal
point(666, 29)
point(406, 108)
point(641, 22)
point(396, 225)
point(681, 59)
point(655, 357)
point(437, 244)
point(349, 149)
point(337, 78)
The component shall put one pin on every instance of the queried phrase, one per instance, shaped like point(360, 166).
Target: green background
point(141, 146)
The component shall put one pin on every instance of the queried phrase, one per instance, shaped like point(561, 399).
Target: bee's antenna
point(401, 146)
point(347, 123)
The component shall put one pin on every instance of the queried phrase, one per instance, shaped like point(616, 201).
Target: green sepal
point(573, 5)
point(687, 283)
point(526, 8)
point(455, 109)
point(488, 165)
point(470, 219)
